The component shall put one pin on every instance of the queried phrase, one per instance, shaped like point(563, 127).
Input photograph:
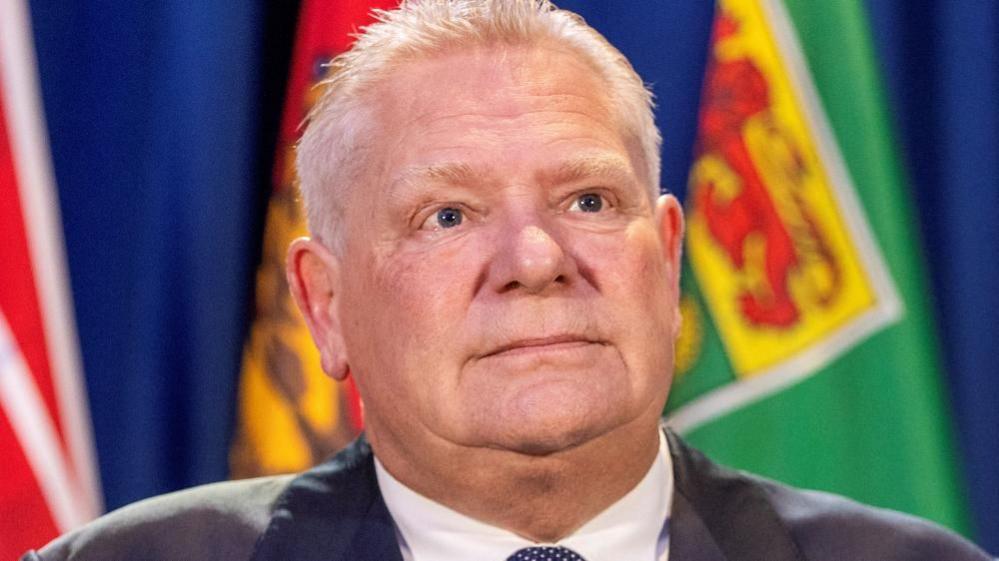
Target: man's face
point(503, 282)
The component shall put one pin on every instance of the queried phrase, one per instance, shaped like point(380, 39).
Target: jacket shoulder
point(830, 527)
point(749, 516)
point(220, 521)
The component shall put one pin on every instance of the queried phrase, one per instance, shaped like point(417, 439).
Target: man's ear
point(669, 220)
point(313, 273)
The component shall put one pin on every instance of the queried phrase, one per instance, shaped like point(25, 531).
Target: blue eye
point(449, 217)
point(590, 202)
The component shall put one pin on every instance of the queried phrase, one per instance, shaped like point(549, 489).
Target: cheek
point(634, 281)
point(630, 266)
point(413, 305)
point(427, 288)
point(650, 283)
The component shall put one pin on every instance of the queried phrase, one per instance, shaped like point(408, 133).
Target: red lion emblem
point(735, 92)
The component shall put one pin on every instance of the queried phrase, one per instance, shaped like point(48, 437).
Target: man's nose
point(532, 260)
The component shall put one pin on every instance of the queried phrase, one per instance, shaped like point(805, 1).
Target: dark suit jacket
point(335, 512)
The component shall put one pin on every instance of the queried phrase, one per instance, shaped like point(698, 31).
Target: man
point(491, 262)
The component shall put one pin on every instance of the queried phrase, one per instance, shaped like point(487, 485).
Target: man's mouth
point(553, 343)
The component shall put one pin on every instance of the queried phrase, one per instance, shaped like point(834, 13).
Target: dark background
point(163, 117)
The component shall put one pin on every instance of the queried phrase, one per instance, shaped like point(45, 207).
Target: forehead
point(500, 98)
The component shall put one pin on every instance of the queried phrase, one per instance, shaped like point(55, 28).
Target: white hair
point(331, 152)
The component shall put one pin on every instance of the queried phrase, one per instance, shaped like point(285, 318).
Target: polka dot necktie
point(545, 553)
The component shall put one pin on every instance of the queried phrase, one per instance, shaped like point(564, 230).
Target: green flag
point(807, 352)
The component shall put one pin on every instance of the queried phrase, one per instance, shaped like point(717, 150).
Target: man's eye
point(449, 217)
point(588, 202)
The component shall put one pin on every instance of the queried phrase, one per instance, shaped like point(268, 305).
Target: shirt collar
point(634, 527)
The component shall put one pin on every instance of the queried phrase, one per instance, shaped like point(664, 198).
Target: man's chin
point(548, 440)
point(558, 414)
point(545, 447)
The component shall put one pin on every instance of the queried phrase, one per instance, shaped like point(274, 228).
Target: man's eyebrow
point(588, 167)
point(605, 167)
point(450, 173)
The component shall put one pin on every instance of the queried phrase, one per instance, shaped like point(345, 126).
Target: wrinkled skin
point(506, 296)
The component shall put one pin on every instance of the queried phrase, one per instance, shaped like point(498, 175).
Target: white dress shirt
point(635, 528)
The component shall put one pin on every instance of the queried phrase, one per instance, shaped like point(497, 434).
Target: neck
point(523, 493)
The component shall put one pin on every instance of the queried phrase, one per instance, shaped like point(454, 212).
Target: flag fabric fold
point(50, 483)
point(290, 415)
point(808, 352)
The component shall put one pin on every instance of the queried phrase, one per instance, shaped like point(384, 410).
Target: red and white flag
point(48, 478)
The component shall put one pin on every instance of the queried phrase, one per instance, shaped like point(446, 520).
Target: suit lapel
point(375, 539)
point(689, 538)
point(333, 512)
point(719, 514)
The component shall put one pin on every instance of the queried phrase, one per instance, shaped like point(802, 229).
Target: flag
point(290, 414)
point(49, 482)
point(807, 352)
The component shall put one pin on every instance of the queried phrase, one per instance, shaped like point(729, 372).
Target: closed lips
point(541, 343)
